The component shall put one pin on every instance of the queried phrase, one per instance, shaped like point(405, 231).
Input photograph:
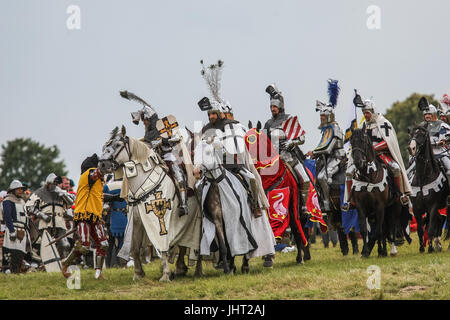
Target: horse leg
point(165, 267)
point(245, 267)
point(420, 232)
point(354, 240)
point(363, 230)
point(342, 241)
point(433, 231)
point(199, 268)
point(298, 240)
point(231, 264)
point(137, 241)
point(180, 266)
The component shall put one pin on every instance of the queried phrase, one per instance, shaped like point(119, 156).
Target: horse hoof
point(181, 272)
point(422, 250)
point(355, 251)
point(165, 278)
point(245, 269)
point(394, 254)
point(138, 277)
point(307, 257)
point(268, 263)
point(199, 274)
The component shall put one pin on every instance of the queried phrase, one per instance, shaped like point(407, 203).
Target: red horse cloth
point(274, 174)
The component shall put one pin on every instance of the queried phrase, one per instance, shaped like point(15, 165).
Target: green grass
point(328, 275)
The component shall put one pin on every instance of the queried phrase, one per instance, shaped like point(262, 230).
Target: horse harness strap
point(134, 202)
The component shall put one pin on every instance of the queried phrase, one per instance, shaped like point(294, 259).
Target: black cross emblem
point(386, 127)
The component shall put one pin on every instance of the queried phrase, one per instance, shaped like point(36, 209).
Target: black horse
point(430, 188)
point(374, 195)
point(335, 215)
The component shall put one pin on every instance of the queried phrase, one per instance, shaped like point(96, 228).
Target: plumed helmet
point(328, 109)
point(276, 98)
point(16, 184)
point(426, 107)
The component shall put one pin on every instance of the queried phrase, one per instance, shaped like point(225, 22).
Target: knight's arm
point(8, 208)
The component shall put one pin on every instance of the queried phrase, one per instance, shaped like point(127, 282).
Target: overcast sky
point(61, 86)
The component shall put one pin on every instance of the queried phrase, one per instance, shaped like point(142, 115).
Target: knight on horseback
point(288, 148)
point(330, 152)
point(231, 133)
point(439, 132)
point(385, 143)
point(444, 109)
point(161, 135)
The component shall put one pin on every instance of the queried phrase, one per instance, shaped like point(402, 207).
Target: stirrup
point(404, 199)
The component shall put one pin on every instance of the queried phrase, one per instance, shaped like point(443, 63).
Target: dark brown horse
point(377, 204)
point(430, 189)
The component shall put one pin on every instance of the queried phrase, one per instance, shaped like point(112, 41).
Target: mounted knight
point(384, 141)
point(286, 134)
point(439, 132)
point(164, 136)
point(330, 153)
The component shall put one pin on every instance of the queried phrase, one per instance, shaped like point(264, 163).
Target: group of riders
point(333, 164)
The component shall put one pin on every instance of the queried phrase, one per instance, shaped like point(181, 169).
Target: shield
point(292, 128)
point(232, 138)
point(168, 127)
point(49, 254)
point(327, 137)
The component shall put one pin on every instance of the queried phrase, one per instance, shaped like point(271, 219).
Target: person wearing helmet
point(330, 151)
point(50, 204)
point(384, 141)
point(17, 238)
point(439, 132)
point(288, 148)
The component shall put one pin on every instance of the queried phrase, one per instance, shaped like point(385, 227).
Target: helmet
point(16, 184)
point(276, 98)
point(328, 109)
point(369, 106)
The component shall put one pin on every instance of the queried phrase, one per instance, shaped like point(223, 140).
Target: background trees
point(28, 161)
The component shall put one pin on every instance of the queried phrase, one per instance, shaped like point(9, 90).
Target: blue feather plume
point(333, 92)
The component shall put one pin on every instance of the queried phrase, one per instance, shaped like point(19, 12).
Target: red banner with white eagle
point(279, 210)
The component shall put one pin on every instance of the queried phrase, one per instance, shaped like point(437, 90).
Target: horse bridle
point(125, 146)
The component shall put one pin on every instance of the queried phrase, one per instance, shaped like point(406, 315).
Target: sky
point(60, 86)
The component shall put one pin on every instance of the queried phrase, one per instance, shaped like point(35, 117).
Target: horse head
point(362, 150)
point(262, 151)
point(419, 140)
point(115, 151)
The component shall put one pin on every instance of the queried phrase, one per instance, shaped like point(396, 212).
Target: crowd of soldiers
point(50, 209)
point(27, 218)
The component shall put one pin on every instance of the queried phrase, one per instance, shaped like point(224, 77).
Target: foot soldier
point(88, 217)
point(330, 152)
point(286, 135)
point(165, 137)
point(50, 204)
point(17, 238)
point(384, 141)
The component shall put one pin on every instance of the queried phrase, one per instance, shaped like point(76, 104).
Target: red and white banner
point(292, 128)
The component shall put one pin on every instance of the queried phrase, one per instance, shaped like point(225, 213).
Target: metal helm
point(276, 98)
point(16, 184)
point(430, 110)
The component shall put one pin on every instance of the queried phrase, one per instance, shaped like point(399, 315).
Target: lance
point(68, 233)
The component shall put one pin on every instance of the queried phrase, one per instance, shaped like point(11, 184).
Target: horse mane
point(139, 150)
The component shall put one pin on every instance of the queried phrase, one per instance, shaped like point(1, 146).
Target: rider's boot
point(349, 204)
point(183, 202)
point(404, 199)
point(257, 212)
point(305, 192)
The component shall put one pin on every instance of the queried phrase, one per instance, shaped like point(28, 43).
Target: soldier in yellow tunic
point(88, 216)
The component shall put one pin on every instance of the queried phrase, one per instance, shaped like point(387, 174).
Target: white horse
point(227, 213)
point(152, 205)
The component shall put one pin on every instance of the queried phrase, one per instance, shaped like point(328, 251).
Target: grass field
point(328, 275)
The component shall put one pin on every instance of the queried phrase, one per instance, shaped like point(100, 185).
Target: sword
point(68, 233)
